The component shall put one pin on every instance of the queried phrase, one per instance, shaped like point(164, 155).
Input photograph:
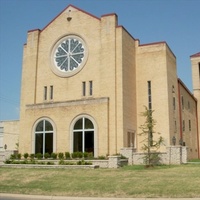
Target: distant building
point(9, 135)
point(86, 80)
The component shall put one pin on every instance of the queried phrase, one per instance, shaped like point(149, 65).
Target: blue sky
point(175, 21)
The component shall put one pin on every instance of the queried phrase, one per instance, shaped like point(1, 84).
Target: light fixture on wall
point(181, 141)
point(5, 146)
point(174, 140)
point(68, 16)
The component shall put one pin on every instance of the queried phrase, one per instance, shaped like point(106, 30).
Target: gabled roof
point(63, 11)
point(195, 55)
point(185, 87)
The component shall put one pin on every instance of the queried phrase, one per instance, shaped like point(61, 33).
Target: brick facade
point(119, 69)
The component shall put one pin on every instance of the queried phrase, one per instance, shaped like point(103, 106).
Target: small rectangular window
point(51, 92)
point(83, 88)
point(45, 92)
point(90, 83)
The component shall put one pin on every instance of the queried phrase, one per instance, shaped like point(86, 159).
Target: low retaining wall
point(112, 162)
point(173, 155)
point(49, 166)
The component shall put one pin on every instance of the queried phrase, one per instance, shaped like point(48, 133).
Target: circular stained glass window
point(69, 56)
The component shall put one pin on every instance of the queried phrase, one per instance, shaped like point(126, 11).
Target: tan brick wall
point(188, 112)
point(195, 63)
point(152, 66)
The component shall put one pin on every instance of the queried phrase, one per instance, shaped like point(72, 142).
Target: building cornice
point(52, 104)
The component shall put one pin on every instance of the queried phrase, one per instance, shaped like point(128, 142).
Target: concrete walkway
point(36, 197)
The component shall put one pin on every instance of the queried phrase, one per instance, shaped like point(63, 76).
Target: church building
point(85, 82)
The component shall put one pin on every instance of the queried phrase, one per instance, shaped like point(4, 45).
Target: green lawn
point(130, 181)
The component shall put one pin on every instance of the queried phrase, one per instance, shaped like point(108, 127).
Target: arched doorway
point(84, 135)
point(44, 137)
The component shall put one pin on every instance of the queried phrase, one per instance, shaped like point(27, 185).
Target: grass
point(130, 181)
point(195, 160)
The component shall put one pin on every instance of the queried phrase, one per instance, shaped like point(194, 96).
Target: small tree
point(150, 146)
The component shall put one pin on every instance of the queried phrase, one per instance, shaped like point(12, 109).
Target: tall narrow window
point(51, 92)
point(182, 101)
point(83, 88)
point(83, 136)
point(150, 108)
point(199, 71)
point(90, 83)
point(44, 137)
point(188, 105)
point(175, 127)
point(1, 137)
point(174, 103)
point(173, 89)
point(45, 92)
point(149, 95)
point(183, 125)
point(130, 139)
point(189, 125)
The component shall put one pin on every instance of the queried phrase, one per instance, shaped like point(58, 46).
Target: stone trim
point(87, 101)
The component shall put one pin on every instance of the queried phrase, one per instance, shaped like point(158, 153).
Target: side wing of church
point(85, 82)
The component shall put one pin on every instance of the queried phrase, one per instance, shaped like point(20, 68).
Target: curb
point(36, 197)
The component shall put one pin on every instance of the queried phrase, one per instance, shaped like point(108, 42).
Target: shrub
point(67, 155)
point(12, 156)
point(33, 161)
point(74, 155)
point(102, 157)
point(38, 156)
point(60, 156)
point(47, 155)
point(54, 155)
point(77, 155)
point(19, 155)
point(61, 162)
point(83, 162)
point(85, 154)
point(8, 161)
point(41, 163)
point(32, 156)
point(50, 163)
point(26, 155)
point(90, 155)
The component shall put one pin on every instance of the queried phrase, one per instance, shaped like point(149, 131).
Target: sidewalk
point(36, 197)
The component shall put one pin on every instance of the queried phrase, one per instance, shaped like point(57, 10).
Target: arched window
point(44, 137)
point(83, 135)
